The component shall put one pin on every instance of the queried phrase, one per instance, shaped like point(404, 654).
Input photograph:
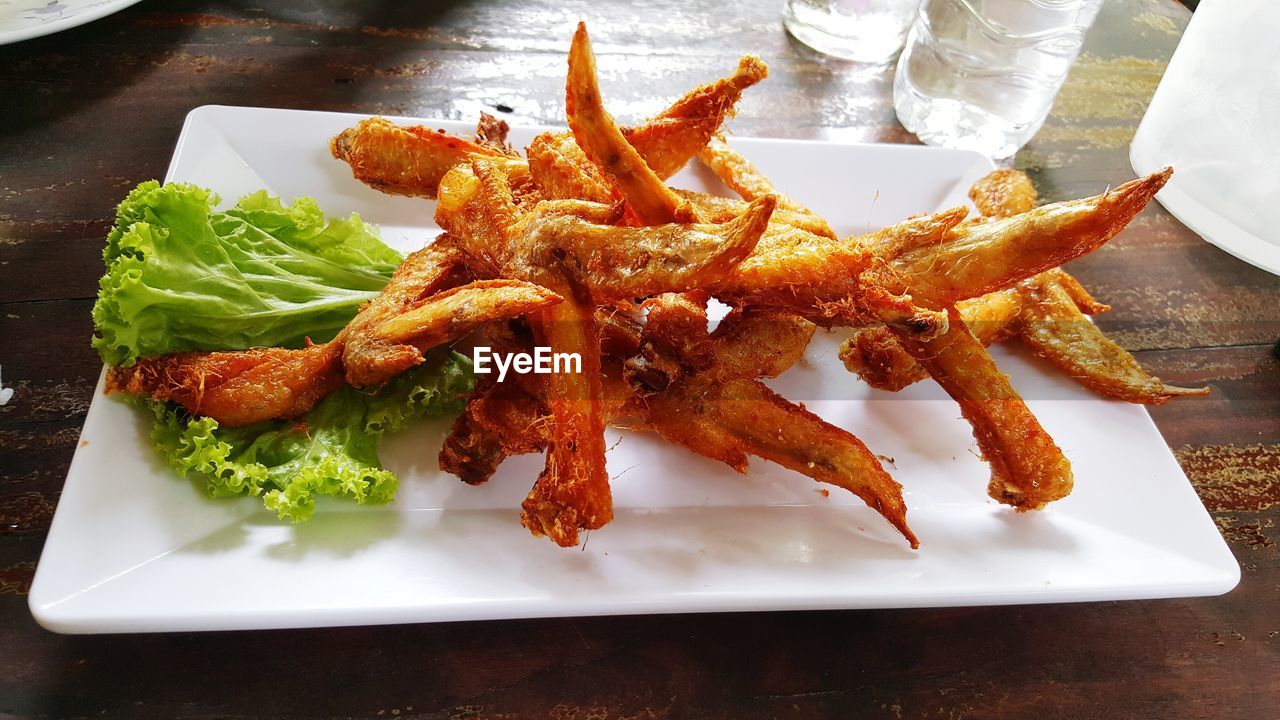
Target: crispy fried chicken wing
point(572, 493)
point(975, 259)
point(1028, 470)
point(825, 281)
point(423, 306)
point(671, 138)
point(648, 198)
point(718, 409)
point(615, 262)
point(875, 354)
point(1047, 312)
point(1053, 326)
point(492, 133)
point(716, 209)
point(500, 420)
point(563, 172)
point(1004, 193)
point(727, 421)
point(237, 388)
point(402, 160)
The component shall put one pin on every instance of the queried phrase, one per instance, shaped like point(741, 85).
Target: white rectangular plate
point(133, 548)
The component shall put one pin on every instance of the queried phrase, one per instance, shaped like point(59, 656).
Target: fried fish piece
point(237, 388)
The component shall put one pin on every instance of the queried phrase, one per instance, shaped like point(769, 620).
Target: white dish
point(26, 19)
point(133, 548)
point(1216, 119)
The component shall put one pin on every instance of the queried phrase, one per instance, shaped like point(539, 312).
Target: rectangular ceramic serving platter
point(134, 548)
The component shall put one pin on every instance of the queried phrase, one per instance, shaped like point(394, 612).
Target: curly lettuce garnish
point(182, 276)
point(333, 450)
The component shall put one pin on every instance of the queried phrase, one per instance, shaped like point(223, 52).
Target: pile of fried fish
point(579, 245)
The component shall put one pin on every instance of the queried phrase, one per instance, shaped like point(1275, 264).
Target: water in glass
point(868, 31)
point(982, 74)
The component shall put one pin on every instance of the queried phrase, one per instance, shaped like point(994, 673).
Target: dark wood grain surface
point(88, 113)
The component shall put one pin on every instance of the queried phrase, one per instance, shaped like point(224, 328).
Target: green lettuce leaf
point(332, 451)
point(183, 276)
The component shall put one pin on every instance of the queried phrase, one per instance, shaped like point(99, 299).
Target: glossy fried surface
point(618, 262)
point(878, 358)
point(492, 134)
point(572, 493)
point(826, 281)
point(1046, 312)
point(587, 220)
point(716, 209)
point(500, 420)
point(237, 388)
point(1053, 326)
point(1004, 192)
point(760, 343)
point(671, 138)
point(648, 198)
point(563, 172)
point(425, 305)
point(368, 358)
point(975, 259)
point(402, 160)
point(716, 408)
point(420, 308)
point(1028, 469)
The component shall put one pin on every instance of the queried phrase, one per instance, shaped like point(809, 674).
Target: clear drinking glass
point(868, 31)
point(982, 74)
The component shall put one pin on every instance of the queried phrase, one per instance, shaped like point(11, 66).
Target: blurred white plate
point(1216, 119)
point(26, 19)
point(134, 548)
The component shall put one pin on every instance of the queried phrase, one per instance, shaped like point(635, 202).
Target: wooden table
point(87, 114)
